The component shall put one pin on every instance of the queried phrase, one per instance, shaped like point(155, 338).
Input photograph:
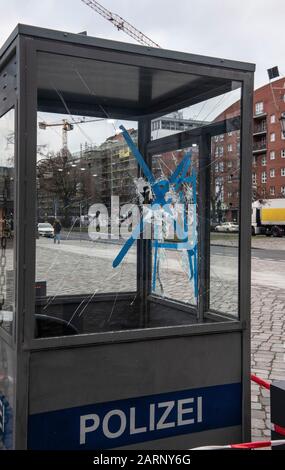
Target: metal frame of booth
point(19, 52)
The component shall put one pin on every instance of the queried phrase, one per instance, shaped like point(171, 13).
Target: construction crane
point(66, 127)
point(120, 23)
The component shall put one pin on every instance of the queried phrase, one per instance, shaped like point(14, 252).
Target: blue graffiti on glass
point(160, 189)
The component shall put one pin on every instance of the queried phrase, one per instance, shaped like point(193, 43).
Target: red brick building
point(268, 166)
point(268, 163)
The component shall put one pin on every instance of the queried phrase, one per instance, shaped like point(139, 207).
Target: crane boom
point(66, 126)
point(120, 23)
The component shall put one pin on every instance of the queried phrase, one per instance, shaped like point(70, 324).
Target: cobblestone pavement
point(268, 353)
point(60, 265)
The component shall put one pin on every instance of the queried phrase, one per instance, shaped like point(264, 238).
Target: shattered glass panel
point(85, 195)
point(174, 254)
point(96, 196)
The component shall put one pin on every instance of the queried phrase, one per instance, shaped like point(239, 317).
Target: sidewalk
point(259, 241)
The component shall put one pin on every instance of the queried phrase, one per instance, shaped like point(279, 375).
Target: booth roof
point(129, 89)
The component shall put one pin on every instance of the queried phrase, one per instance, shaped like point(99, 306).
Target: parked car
point(45, 230)
point(213, 226)
point(227, 227)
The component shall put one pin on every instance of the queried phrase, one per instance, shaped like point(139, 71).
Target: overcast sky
point(249, 30)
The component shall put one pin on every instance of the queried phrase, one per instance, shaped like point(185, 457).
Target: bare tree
point(58, 178)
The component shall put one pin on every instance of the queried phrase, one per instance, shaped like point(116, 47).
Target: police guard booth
point(111, 339)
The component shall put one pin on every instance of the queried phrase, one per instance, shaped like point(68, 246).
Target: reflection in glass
point(85, 190)
point(225, 197)
point(86, 275)
point(198, 115)
point(7, 168)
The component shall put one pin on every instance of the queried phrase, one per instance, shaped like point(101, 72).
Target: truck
point(268, 217)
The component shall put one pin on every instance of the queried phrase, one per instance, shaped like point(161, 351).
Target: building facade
point(268, 159)
point(268, 165)
point(173, 123)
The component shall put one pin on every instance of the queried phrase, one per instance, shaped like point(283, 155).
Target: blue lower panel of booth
point(130, 421)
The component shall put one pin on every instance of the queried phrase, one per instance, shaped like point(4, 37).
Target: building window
point(272, 155)
point(155, 125)
point(254, 160)
point(165, 125)
point(259, 108)
point(263, 160)
point(272, 119)
point(282, 136)
point(272, 190)
point(282, 171)
point(230, 134)
point(272, 137)
point(230, 148)
point(283, 153)
point(221, 151)
point(229, 164)
point(230, 178)
point(253, 178)
point(216, 168)
point(272, 173)
point(230, 194)
point(221, 166)
point(282, 190)
point(263, 177)
point(221, 137)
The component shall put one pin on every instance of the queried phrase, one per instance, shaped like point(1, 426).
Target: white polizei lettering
point(161, 422)
point(85, 428)
point(181, 411)
point(123, 424)
point(199, 410)
point(151, 417)
point(116, 422)
point(133, 429)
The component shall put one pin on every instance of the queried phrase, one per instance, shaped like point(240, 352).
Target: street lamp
point(282, 123)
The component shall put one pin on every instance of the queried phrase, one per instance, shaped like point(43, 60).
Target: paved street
point(60, 265)
point(268, 353)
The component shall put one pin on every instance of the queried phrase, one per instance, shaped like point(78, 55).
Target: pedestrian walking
point(57, 230)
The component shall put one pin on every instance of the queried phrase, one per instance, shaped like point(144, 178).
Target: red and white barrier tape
point(257, 444)
point(261, 382)
point(278, 429)
point(245, 445)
